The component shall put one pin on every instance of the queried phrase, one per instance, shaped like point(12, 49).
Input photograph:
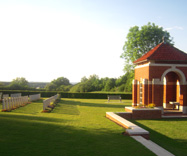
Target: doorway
point(171, 92)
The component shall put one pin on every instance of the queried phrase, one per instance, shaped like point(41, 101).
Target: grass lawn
point(75, 127)
point(171, 134)
point(79, 127)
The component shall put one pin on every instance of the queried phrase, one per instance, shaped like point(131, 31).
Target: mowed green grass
point(170, 134)
point(76, 127)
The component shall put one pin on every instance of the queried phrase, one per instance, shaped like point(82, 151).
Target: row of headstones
point(3, 96)
point(34, 97)
point(48, 102)
point(31, 97)
point(16, 100)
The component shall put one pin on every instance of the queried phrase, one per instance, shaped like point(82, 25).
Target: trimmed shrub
point(68, 95)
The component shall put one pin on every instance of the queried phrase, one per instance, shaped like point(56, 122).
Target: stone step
point(170, 112)
point(173, 116)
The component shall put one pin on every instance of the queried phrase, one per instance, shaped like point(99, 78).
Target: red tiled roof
point(163, 52)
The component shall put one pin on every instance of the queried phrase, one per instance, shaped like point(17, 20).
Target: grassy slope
point(74, 127)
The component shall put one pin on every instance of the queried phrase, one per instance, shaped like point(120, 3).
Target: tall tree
point(58, 84)
point(19, 83)
point(61, 81)
point(140, 41)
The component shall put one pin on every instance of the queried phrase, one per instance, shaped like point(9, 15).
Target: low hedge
point(68, 95)
point(93, 95)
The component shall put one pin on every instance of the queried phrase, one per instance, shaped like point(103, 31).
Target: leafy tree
point(110, 84)
point(2, 85)
point(140, 41)
point(84, 79)
point(64, 88)
point(61, 81)
point(121, 80)
point(128, 84)
point(103, 82)
point(88, 85)
point(58, 84)
point(51, 87)
point(124, 83)
point(19, 83)
point(75, 88)
point(93, 83)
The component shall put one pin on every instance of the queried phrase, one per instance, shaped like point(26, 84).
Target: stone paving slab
point(136, 131)
point(159, 151)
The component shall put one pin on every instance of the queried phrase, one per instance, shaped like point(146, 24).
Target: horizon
point(44, 40)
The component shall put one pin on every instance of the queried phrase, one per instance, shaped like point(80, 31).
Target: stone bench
point(114, 97)
point(174, 103)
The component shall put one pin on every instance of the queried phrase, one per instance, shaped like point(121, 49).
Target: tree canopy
point(19, 83)
point(60, 83)
point(94, 83)
point(140, 41)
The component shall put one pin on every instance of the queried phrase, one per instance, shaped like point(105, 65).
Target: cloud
point(175, 27)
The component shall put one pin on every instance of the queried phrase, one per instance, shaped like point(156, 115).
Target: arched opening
point(171, 90)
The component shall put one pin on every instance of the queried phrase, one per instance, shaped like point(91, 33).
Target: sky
point(42, 40)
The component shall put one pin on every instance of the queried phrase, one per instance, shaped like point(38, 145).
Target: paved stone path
point(152, 146)
point(135, 132)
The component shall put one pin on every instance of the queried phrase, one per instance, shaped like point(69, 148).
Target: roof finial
point(164, 39)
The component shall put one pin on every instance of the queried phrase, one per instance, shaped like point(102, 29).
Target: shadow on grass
point(71, 106)
point(90, 104)
point(176, 146)
point(62, 108)
point(32, 108)
point(20, 137)
point(29, 118)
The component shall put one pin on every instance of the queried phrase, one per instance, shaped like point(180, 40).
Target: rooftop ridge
point(163, 52)
point(148, 54)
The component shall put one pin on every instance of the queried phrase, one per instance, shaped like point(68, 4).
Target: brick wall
point(146, 114)
point(141, 73)
point(155, 72)
point(134, 93)
point(150, 93)
point(184, 70)
point(127, 116)
point(143, 113)
point(145, 93)
point(157, 95)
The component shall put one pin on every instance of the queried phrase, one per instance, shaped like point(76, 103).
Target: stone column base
point(162, 109)
point(184, 109)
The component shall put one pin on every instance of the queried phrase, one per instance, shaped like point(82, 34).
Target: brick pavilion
point(161, 78)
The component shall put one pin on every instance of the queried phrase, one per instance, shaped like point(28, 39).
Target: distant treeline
point(22, 84)
point(36, 85)
point(91, 84)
